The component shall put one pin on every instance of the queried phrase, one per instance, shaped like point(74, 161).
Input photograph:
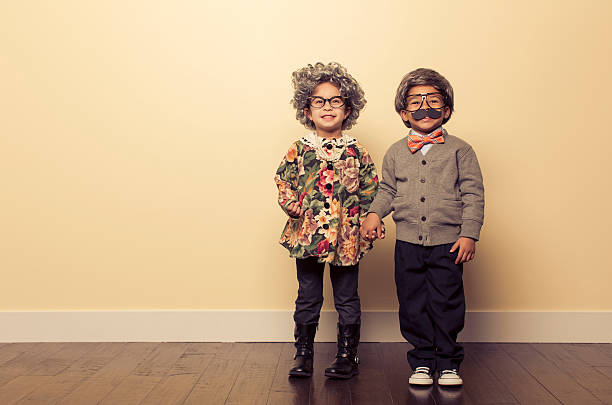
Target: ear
point(404, 115)
point(307, 113)
point(446, 112)
point(347, 112)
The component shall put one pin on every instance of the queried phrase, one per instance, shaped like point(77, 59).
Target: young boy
point(432, 182)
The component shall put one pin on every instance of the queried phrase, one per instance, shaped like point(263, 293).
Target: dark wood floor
point(256, 373)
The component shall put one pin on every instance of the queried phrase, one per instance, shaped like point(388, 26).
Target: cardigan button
point(325, 226)
point(422, 199)
point(328, 186)
point(330, 166)
point(422, 180)
point(423, 219)
point(329, 146)
point(423, 162)
point(420, 237)
point(326, 205)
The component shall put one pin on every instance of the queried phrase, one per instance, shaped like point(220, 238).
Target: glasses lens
point(435, 100)
point(336, 102)
point(317, 102)
point(413, 103)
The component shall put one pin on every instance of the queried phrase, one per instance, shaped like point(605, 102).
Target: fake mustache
point(430, 112)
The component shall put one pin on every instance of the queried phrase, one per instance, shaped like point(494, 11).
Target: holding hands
point(372, 228)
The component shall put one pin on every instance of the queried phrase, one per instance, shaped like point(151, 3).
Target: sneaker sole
point(421, 383)
point(450, 384)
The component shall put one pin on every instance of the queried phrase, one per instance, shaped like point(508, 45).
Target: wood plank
point(218, 378)
point(107, 377)
point(55, 388)
point(20, 387)
point(585, 375)
point(180, 380)
point(607, 371)
point(11, 350)
point(324, 390)
point(134, 388)
point(28, 360)
point(285, 390)
point(593, 354)
point(62, 359)
point(370, 386)
point(64, 382)
point(480, 384)
point(253, 383)
point(397, 372)
point(555, 380)
point(161, 360)
point(525, 388)
point(95, 360)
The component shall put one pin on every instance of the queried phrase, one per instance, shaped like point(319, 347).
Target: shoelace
point(422, 370)
point(453, 371)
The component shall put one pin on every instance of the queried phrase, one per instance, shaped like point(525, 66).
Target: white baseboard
point(277, 326)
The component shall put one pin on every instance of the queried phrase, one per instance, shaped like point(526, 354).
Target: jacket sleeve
point(387, 188)
point(368, 181)
point(286, 178)
point(472, 195)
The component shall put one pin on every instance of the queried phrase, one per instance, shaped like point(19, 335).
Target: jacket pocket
point(403, 210)
point(447, 212)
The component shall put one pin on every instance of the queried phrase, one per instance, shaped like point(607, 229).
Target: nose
point(327, 105)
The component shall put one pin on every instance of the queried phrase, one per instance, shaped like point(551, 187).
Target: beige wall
point(139, 139)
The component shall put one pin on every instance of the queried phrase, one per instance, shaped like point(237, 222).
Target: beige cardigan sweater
point(435, 198)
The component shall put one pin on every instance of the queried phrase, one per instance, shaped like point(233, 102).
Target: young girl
point(326, 183)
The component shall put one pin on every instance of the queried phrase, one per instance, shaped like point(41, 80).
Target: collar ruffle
point(310, 139)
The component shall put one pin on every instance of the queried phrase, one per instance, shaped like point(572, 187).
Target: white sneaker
point(421, 376)
point(449, 377)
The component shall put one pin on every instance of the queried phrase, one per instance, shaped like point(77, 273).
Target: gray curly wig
point(306, 79)
point(424, 77)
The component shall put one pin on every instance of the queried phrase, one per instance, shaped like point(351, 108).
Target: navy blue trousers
point(431, 304)
point(310, 292)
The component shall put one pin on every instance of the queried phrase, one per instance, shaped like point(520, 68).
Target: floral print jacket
point(335, 197)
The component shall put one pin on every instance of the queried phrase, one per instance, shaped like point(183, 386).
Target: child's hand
point(372, 228)
point(467, 249)
point(295, 209)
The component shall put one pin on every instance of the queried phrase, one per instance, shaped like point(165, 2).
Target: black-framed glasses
point(414, 102)
point(319, 102)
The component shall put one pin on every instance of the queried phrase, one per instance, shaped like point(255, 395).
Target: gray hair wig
point(424, 77)
point(308, 78)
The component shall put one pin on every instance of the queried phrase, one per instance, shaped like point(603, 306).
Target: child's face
point(327, 118)
point(427, 124)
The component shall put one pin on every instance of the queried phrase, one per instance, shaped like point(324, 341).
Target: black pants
point(310, 292)
point(431, 303)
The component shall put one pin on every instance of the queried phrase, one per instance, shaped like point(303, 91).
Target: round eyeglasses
point(319, 102)
point(414, 102)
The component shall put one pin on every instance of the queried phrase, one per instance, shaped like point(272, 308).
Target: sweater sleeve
point(472, 195)
point(368, 181)
point(286, 178)
point(387, 188)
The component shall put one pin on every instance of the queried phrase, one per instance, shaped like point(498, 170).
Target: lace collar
point(310, 139)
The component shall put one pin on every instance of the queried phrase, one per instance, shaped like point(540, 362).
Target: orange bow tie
point(416, 142)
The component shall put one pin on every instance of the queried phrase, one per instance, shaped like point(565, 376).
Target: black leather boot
point(304, 343)
point(346, 364)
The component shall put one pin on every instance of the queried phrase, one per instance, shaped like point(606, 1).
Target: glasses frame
point(325, 101)
point(424, 99)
